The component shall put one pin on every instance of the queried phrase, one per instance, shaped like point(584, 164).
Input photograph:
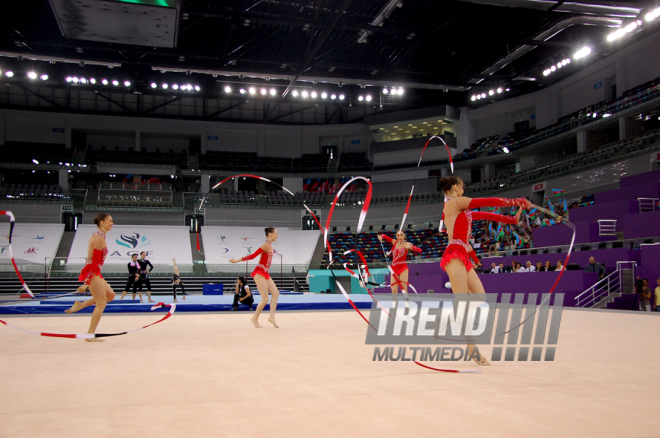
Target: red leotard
point(399, 256)
point(93, 267)
point(458, 247)
point(264, 261)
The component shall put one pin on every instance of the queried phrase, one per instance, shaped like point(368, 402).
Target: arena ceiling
point(440, 52)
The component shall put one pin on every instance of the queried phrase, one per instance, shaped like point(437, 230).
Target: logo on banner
point(133, 241)
point(538, 186)
point(31, 251)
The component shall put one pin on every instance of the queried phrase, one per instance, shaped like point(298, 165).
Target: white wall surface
point(31, 243)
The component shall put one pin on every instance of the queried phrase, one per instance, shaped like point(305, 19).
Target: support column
point(444, 172)
point(138, 141)
point(622, 128)
point(236, 184)
point(489, 171)
point(64, 178)
point(67, 140)
point(582, 142)
point(205, 183)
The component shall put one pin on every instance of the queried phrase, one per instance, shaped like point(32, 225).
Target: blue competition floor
point(193, 303)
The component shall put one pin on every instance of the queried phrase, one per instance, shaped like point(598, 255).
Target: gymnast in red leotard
point(265, 284)
point(101, 291)
point(458, 218)
point(399, 268)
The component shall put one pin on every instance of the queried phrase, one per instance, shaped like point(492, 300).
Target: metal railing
point(647, 204)
point(608, 287)
point(607, 227)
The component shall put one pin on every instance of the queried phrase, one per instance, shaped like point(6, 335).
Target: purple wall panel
point(639, 179)
point(550, 236)
point(651, 262)
point(610, 210)
point(572, 283)
point(645, 190)
point(608, 257)
point(640, 225)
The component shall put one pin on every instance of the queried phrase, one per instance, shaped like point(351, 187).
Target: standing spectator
point(657, 296)
point(597, 268)
point(529, 267)
point(645, 295)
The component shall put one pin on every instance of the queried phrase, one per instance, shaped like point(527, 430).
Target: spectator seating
point(220, 160)
point(33, 191)
point(171, 158)
point(354, 161)
point(44, 153)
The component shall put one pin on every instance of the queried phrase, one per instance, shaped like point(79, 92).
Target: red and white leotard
point(399, 255)
point(93, 267)
point(458, 247)
point(264, 261)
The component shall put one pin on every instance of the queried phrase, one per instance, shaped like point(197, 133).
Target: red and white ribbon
point(12, 221)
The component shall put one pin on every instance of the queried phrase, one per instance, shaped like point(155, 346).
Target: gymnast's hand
point(82, 289)
point(234, 260)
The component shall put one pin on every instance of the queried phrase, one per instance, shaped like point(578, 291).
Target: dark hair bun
point(448, 182)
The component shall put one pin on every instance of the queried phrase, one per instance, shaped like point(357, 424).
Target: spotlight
point(478, 96)
point(32, 75)
point(553, 68)
point(508, 89)
point(499, 90)
point(153, 85)
point(9, 74)
point(324, 95)
point(546, 72)
point(105, 82)
point(175, 86)
point(491, 92)
point(368, 97)
point(473, 98)
point(264, 91)
point(295, 93)
point(69, 79)
point(582, 53)
point(43, 77)
point(314, 95)
point(560, 65)
point(505, 149)
point(35, 161)
point(304, 94)
point(83, 80)
point(273, 92)
point(483, 95)
point(227, 89)
point(165, 86)
point(92, 81)
point(75, 80)
point(333, 96)
point(385, 91)
point(400, 91)
point(115, 83)
point(189, 87)
point(198, 88)
point(252, 90)
point(360, 98)
point(127, 83)
point(242, 91)
point(341, 97)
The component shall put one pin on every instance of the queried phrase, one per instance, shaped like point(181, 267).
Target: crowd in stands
point(354, 162)
point(143, 201)
point(171, 158)
point(33, 191)
point(570, 163)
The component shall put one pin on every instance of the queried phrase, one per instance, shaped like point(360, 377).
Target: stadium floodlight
point(304, 93)
point(360, 98)
point(483, 95)
point(252, 90)
point(491, 92)
point(273, 92)
point(368, 98)
point(499, 90)
point(127, 83)
point(400, 91)
point(105, 82)
point(165, 86)
point(35, 161)
point(473, 98)
point(324, 95)
point(242, 91)
point(9, 74)
point(32, 75)
point(263, 91)
point(385, 91)
point(92, 81)
point(154, 85)
point(198, 88)
point(314, 95)
point(294, 93)
point(333, 96)
point(69, 79)
point(342, 97)
point(585, 51)
point(227, 89)
point(176, 87)
point(115, 83)
point(505, 149)
point(43, 77)
point(75, 80)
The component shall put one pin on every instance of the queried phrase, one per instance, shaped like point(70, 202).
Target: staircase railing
point(647, 204)
point(607, 227)
point(608, 287)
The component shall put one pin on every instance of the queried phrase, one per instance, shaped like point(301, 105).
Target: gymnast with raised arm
point(265, 284)
point(456, 260)
point(101, 291)
point(176, 281)
point(399, 266)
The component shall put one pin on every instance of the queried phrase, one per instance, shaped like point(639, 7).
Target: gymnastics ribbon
point(363, 213)
point(12, 220)
point(568, 257)
point(97, 335)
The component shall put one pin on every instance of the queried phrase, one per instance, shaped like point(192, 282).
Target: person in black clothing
point(144, 274)
point(243, 294)
point(133, 278)
point(176, 281)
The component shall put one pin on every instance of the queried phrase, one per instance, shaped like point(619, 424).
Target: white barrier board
point(224, 243)
point(31, 243)
point(160, 242)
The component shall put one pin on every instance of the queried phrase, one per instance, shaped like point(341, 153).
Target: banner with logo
point(160, 242)
point(224, 243)
point(31, 243)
